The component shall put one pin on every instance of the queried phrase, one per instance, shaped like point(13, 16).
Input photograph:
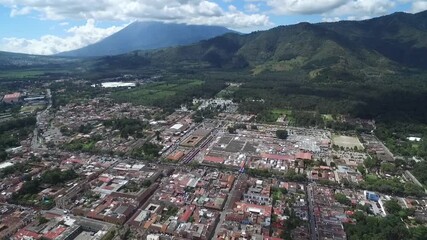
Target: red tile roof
point(175, 157)
point(303, 156)
point(25, 234)
point(277, 156)
point(187, 214)
point(214, 159)
point(11, 97)
point(55, 233)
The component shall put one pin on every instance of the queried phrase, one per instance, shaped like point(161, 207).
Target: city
point(98, 169)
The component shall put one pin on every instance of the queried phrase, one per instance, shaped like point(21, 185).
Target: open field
point(154, 92)
point(346, 141)
point(32, 108)
point(280, 112)
point(25, 74)
point(327, 117)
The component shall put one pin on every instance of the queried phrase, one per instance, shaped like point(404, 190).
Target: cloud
point(78, 37)
point(251, 8)
point(182, 11)
point(362, 9)
point(331, 19)
point(304, 6)
point(419, 6)
point(332, 10)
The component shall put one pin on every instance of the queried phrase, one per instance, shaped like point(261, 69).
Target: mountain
point(13, 60)
point(370, 47)
point(148, 35)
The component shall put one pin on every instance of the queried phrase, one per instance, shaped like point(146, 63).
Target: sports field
point(346, 141)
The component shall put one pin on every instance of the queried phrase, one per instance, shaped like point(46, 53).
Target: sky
point(51, 26)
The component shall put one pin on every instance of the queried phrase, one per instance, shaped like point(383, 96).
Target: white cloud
point(418, 6)
point(201, 12)
point(362, 9)
point(251, 8)
point(183, 11)
point(78, 37)
point(331, 10)
point(304, 6)
point(331, 19)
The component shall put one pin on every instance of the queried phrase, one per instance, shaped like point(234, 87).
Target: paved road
point(227, 207)
point(313, 224)
point(36, 142)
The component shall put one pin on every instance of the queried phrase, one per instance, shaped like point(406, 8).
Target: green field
point(327, 117)
point(346, 141)
point(20, 74)
point(26, 74)
point(153, 93)
point(31, 109)
point(280, 112)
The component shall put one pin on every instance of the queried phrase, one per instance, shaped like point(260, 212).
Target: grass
point(346, 141)
point(20, 74)
point(227, 93)
point(280, 112)
point(279, 66)
point(32, 108)
point(371, 178)
point(327, 117)
point(27, 74)
point(154, 92)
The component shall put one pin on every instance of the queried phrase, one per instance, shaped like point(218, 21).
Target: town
point(102, 169)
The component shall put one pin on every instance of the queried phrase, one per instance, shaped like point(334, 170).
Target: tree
point(371, 163)
point(158, 136)
point(42, 220)
point(361, 169)
point(282, 134)
point(388, 168)
point(231, 130)
point(341, 198)
point(392, 206)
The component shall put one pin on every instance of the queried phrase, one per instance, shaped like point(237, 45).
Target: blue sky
point(47, 27)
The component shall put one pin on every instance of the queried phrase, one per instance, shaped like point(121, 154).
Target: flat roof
point(6, 164)
point(177, 126)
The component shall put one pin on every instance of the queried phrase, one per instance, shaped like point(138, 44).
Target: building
point(372, 196)
point(12, 98)
point(258, 195)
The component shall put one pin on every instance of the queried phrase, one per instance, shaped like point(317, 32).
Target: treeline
point(206, 90)
point(17, 124)
point(170, 98)
point(25, 195)
point(383, 228)
point(364, 97)
point(419, 171)
point(290, 175)
point(14, 169)
point(12, 132)
point(392, 186)
point(148, 151)
point(395, 134)
point(127, 127)
point(83, 145)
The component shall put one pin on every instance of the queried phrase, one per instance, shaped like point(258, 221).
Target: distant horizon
point(46, 28)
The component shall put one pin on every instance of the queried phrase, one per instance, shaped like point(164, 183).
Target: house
point(12, 98)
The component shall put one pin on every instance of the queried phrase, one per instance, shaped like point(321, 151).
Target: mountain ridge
point(387, 43)
point(147, 36)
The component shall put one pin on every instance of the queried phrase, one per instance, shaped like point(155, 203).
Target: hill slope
point(380, 45)
point(374, 68)
point(148, 35)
